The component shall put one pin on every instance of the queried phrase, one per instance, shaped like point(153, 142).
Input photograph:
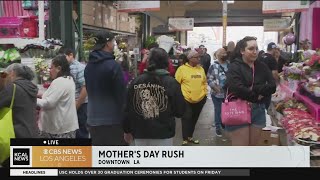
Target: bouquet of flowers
point(306, 55)
point(293, 71)
point(117, 54)
point(314, 61)
point(41, 69)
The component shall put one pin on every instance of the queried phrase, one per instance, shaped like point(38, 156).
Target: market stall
point(296, 103)
point(23, 38)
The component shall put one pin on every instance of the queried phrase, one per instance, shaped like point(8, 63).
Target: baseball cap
point(102, 38)
point(272, 45)
point(192, 53)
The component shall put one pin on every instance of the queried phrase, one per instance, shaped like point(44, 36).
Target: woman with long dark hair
point(58, 116)
point(252, 81)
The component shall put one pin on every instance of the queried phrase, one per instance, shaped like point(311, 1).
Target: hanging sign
point(165, 42)
point(276, 24)
point(138, 6)
point(284, 6)
point(181, 24)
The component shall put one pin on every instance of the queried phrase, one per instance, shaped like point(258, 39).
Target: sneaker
point(218, 132)
point(184, 143)
point(191, 140)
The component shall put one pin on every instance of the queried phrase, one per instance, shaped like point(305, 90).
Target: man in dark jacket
point(154, 99)
point(205, 60)
point(24, 104)
point(106, 93)
point(269, 59)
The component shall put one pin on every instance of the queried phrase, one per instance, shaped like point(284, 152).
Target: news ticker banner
point(130, 172)
point(66, 153)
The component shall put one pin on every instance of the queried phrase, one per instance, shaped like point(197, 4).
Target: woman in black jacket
point(154, 100)
point(239, 82)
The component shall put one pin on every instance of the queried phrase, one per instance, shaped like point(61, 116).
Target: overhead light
point(228, 2)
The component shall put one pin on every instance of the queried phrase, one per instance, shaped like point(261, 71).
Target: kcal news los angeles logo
point(21, 156)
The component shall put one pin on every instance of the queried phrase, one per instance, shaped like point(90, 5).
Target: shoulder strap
point(252, 76)
point(13, 95)
point(222, 68)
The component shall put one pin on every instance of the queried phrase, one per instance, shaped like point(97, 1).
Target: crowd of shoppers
point(95, 101)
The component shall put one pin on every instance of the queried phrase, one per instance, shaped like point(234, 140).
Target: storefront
point(33, 31)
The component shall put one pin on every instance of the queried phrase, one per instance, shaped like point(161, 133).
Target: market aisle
point(204, 130)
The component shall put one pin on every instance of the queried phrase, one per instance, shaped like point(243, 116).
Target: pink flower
point(314, 59)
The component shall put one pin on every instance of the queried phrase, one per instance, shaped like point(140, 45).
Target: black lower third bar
point(154, 172)
point(49, 142)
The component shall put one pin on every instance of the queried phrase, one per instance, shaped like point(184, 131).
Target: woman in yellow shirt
point(193, 82)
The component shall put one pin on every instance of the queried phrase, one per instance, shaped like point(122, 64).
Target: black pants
point(190, 117)
point(111, 135)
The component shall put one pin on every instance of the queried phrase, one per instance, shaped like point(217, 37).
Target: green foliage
point(150, 40)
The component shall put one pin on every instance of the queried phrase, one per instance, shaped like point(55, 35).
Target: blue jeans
point(82, 132)
point(217, 102)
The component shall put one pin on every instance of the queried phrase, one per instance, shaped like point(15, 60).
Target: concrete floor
point(204, 130)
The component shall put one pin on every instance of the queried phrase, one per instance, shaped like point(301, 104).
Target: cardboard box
point(113, 10)
point(132, 29)
point(124, 27)
point(132, 26)
point(123, 17)
point(269, 138)
point(105, 19)
point(108, 24)
point(132, 19)
point(89, 3)
point(98, 21)
point(99, 4)
point(88, 10)
point(98, 11)
point(113, 19)
point(112, 22)
point(98, 24)
point(88, 20)
point(105, 14)
point(106, 11)
point(105, 23)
